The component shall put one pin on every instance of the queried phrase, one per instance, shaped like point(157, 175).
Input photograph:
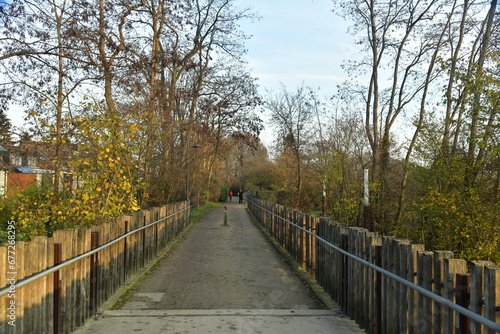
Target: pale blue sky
point(297, 41)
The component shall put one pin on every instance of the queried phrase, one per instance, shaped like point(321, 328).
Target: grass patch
point(200, 211)
point(122, 300)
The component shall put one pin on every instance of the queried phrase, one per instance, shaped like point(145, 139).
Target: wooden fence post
point(313, 246)
point(143, 255)
point(439, 257)
point(125, 252)
point(345, 275)
point(374, 278)
point(491, 294)
point(476, 292)
point(412, 260)
point(387, 295)
point(303, 243)
point(352, 269)
point(320, 256)
point(451, 268)
point(378, 288)
point(402, 291)
point(94, 274)
point(463, 299)
point(57, 322)
point(425, 274)
point(157, 225)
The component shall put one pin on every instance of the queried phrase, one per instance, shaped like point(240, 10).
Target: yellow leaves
point(103, 169)
point(134, 207)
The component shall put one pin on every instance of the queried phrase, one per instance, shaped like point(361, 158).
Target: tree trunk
point(60, 101)
point(472, 165)
point(418, 127)
point(445, 145)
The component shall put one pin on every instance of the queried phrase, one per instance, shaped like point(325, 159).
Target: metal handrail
point(462, 310)
point(55, 268)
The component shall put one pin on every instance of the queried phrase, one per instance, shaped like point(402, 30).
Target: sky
point(294, 42)
point(297, 41)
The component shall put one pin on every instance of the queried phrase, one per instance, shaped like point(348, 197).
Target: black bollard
point(225, 216)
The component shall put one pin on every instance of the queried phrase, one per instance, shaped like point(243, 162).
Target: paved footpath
point(222, 279)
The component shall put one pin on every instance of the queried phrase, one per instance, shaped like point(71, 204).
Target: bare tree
point(475, 155)
point(397, 37)
point(292, 114)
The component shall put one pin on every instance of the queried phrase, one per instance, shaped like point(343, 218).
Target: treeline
point(421, 113)
point(140, 102)
point(147, 102)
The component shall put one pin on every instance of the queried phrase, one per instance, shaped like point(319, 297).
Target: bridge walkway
point(222, 279)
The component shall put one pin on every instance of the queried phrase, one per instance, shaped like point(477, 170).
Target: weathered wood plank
point(387, 304)
point(439, 257)
point(40, 289)
point(401, 257)
point(412, 261)
point(491, 295)
point(451, 268)
point(374, 277)
point(476, 291)
point(22, 267)
point(425, 275)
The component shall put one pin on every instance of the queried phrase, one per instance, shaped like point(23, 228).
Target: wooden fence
point(376, 302)
point(63, 300)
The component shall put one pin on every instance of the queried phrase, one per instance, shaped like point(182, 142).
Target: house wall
point(3, 183)
point(15, 159)
point(19, 181)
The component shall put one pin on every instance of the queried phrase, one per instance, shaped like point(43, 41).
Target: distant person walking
point(230, 196)
point(241, 197)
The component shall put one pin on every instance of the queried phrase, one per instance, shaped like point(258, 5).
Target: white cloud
point(16, 115)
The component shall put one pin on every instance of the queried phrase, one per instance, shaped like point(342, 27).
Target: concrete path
point(222, 279)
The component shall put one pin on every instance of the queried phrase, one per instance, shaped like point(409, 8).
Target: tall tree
point(292, 114)
point(5, 129)
point(193, 45)
point(396, 36)
point(475, 155)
